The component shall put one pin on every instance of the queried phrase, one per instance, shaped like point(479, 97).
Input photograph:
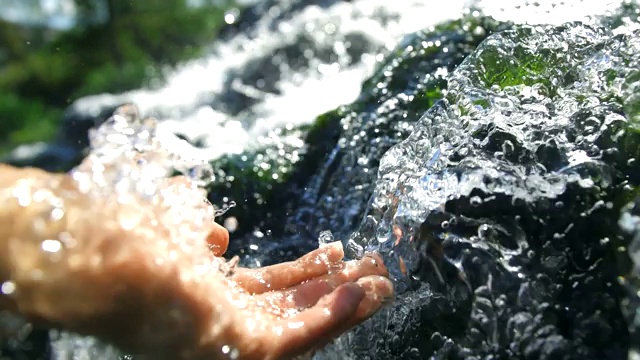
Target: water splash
point(226, 101)
point(189, 100)
point(506, 189)
point(225, 207)
point(128, 182)
point(492, 101)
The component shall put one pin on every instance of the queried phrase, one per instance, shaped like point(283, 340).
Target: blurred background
point(54, 51)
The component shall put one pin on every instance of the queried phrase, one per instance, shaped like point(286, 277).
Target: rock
point(507, 196)
point(334, 168)
point(50, 157)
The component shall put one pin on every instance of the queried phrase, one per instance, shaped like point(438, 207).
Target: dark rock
point(630, 224)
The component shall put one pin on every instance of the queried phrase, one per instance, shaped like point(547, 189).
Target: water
point(533, 117)
point(470, 166)
point(246, 86)
point(290, 55)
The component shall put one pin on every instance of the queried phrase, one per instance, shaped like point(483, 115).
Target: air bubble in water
point(475, 201)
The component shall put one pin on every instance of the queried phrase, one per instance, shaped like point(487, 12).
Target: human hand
point(145, 290)
point(290, 308)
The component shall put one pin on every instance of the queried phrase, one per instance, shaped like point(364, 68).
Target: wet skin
point(141, 290)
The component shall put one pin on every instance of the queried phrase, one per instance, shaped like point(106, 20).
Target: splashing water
point(227, 93)
point(506, 195)
point(417, 180)
point(500, 102)
point(128, 183)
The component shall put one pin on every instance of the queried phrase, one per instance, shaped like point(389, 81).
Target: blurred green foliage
point(113, 46)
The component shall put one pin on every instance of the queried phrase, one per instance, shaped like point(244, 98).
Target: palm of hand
point(287, 309)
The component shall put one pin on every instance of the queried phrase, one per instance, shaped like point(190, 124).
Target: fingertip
point(334, 251)
point(379, 286)
point(378, 291)
point(376, 260)
point(218, 239)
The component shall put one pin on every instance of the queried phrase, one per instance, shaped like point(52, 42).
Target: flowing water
point(471, 198)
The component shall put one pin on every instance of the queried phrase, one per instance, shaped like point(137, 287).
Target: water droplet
point(8, 287)
point(325, 237)
point(483, 231)
point(295, 324)
point(231, 223)
point(51, 246)
point(507, 147)
point(225, 207)
point(234, 354)
point(57, 214)
point(354, 250)
point(231, 15)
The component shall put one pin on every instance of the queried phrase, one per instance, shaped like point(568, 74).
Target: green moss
point(25, 121)
point(44, 70)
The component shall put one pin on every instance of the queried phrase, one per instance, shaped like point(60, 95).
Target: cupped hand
point(290, 308)
point(146, 289)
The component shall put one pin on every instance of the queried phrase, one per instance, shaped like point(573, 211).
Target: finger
point(218, 239)
point(217, 236)
point(316, 326)
point(308, 293)
point(285, 275)
point(378, 292)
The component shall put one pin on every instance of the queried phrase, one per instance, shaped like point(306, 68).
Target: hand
point(290, 308)
point(143, 289)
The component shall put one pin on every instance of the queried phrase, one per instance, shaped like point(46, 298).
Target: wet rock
point(511, 187)
point(336, 167)
point(50, 157)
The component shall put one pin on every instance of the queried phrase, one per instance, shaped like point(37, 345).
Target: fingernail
point(378, 262)
point(334, 251)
